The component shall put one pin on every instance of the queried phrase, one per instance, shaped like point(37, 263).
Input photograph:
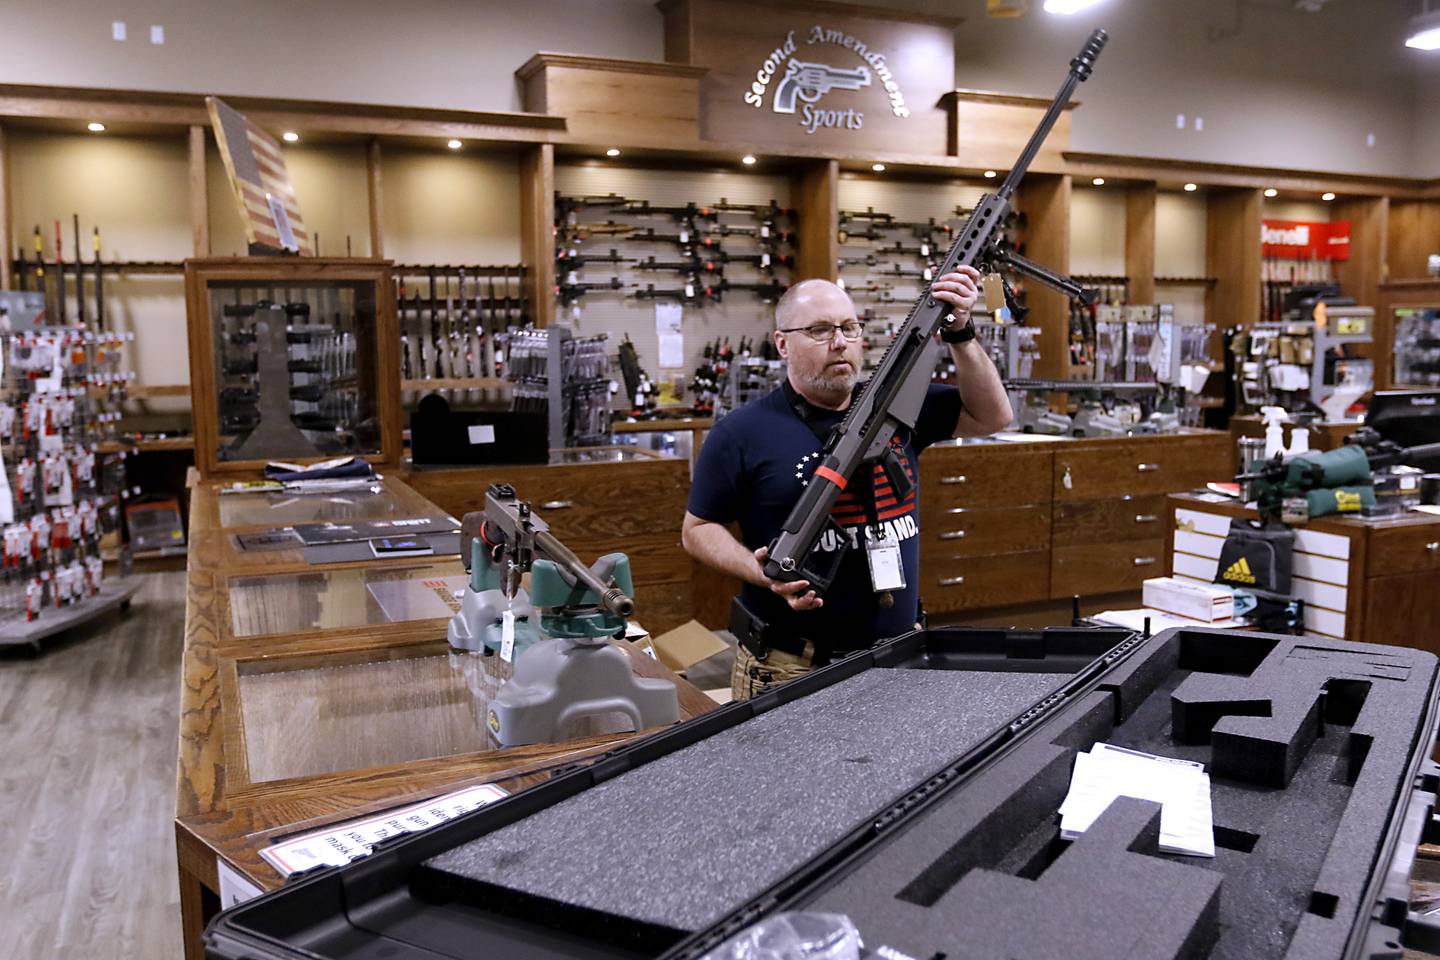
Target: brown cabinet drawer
point(1406, 549)
point(1099, 568)
point(1107, 521)
point(985, 581)
point(1139, 467)
point(984, 476)
point(949, 532)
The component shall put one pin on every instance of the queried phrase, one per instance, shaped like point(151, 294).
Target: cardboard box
point(1204, 602)
point(687, 645)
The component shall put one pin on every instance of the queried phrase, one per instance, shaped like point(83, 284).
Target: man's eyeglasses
point(825, 332)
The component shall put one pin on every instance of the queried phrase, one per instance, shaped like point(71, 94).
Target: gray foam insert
point(1295, 891)
point(688, 837)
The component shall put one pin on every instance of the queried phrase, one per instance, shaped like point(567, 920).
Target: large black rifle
point(893, 396)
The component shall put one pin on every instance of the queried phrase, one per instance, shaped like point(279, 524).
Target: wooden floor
point(87, 786)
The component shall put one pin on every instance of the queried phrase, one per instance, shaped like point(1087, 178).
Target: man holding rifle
point(757, 461)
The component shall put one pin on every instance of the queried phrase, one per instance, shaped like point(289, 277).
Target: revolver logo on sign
point(808, 81)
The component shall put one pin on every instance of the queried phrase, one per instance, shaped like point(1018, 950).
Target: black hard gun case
point(913, 787)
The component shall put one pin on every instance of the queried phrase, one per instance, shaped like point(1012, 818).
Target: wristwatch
point(953, 334)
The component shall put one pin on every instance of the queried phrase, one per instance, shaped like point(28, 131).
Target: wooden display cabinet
point(272, 380)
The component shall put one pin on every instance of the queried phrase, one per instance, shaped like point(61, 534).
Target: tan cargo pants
point(751, 676)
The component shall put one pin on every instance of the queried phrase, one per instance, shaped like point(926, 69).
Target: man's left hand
point(959, 289)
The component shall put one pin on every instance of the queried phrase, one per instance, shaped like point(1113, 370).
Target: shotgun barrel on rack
point(893, 396)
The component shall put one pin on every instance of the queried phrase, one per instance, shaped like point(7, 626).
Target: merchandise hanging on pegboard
point(62, 482)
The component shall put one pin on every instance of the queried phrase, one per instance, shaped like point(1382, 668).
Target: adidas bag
point(1257, 557)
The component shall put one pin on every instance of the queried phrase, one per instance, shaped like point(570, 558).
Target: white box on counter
point(1204, 602)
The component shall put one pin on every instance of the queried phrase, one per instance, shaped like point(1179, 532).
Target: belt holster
point(749, 630)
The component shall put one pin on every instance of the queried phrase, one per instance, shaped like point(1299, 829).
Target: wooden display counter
point(313, 695)
point(596, 499)
point(1368, 580)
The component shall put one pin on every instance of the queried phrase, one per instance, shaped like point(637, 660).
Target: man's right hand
point(793, 592)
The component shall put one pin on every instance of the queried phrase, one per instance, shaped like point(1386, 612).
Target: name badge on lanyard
point(887, 570)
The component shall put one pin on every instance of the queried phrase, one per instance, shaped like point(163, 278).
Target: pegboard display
point(603, 272)
point(63, 472)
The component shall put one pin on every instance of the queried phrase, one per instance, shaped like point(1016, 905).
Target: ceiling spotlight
point(878, 167)
point(1327, 196)
point(290, 136)
point(1191, 188)
point(1271, 191)
point(1098, 181)
point(990, 174)
point(748, 159)
point(1424, 31)
point(1066, 7)
point(96, 127)
point(454, 144)
point(613, 152)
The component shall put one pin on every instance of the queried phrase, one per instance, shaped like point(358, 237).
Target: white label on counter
point(234, 886)
point(482, 433)
point(339, 845)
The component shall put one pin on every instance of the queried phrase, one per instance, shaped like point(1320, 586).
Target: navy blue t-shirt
point(752, 469)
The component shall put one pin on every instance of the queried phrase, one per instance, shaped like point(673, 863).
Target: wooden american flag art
point(256, 166)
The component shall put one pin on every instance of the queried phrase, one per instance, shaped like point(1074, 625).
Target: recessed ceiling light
point(454, 144)
point(1191, 188)
point(1067, 7)
point(96, 127)
point(878, 167)
point(1098, 181)
point(748, 159)
point(1424, 32)
point(612, 152)
point(289, 136)
point(1327, 196)
point(990, 174)
point(1271, 191)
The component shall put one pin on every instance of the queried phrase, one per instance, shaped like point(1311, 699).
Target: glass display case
point(292, 359)
point(279, 603)
point(1417, 347)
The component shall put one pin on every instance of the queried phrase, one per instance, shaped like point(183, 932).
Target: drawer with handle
point(976, 582)
point(984, 477)
point(1412, 548)
point(1138, 467)
point(1106, 521)
point(966, 532)
point(1092, 569)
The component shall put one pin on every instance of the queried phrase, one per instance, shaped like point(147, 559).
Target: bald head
point(810, 301)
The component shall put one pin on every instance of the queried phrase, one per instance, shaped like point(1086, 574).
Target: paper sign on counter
point(336, 846)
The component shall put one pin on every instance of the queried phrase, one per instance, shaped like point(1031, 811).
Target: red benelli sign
point(1305, 239)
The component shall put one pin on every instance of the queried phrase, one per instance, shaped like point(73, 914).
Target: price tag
point(840, 282)
point(924, 249)
point(684, 235)
point(689, 290)
point(926, 274)
point(764, 231)
point(507, 636)
point(764, 259)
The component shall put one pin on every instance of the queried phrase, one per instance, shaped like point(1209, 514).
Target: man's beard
point(831, 383)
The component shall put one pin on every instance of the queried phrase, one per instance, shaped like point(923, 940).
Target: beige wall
point(1097, 231)
point(450, 207)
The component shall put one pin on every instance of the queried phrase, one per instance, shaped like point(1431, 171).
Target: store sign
point(817, 75)
point(1305, 240)
point(809, 80)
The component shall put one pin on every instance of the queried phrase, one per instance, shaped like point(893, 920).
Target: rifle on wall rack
point(892, 398)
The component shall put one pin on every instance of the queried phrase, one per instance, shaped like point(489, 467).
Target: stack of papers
point(1181, 787)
